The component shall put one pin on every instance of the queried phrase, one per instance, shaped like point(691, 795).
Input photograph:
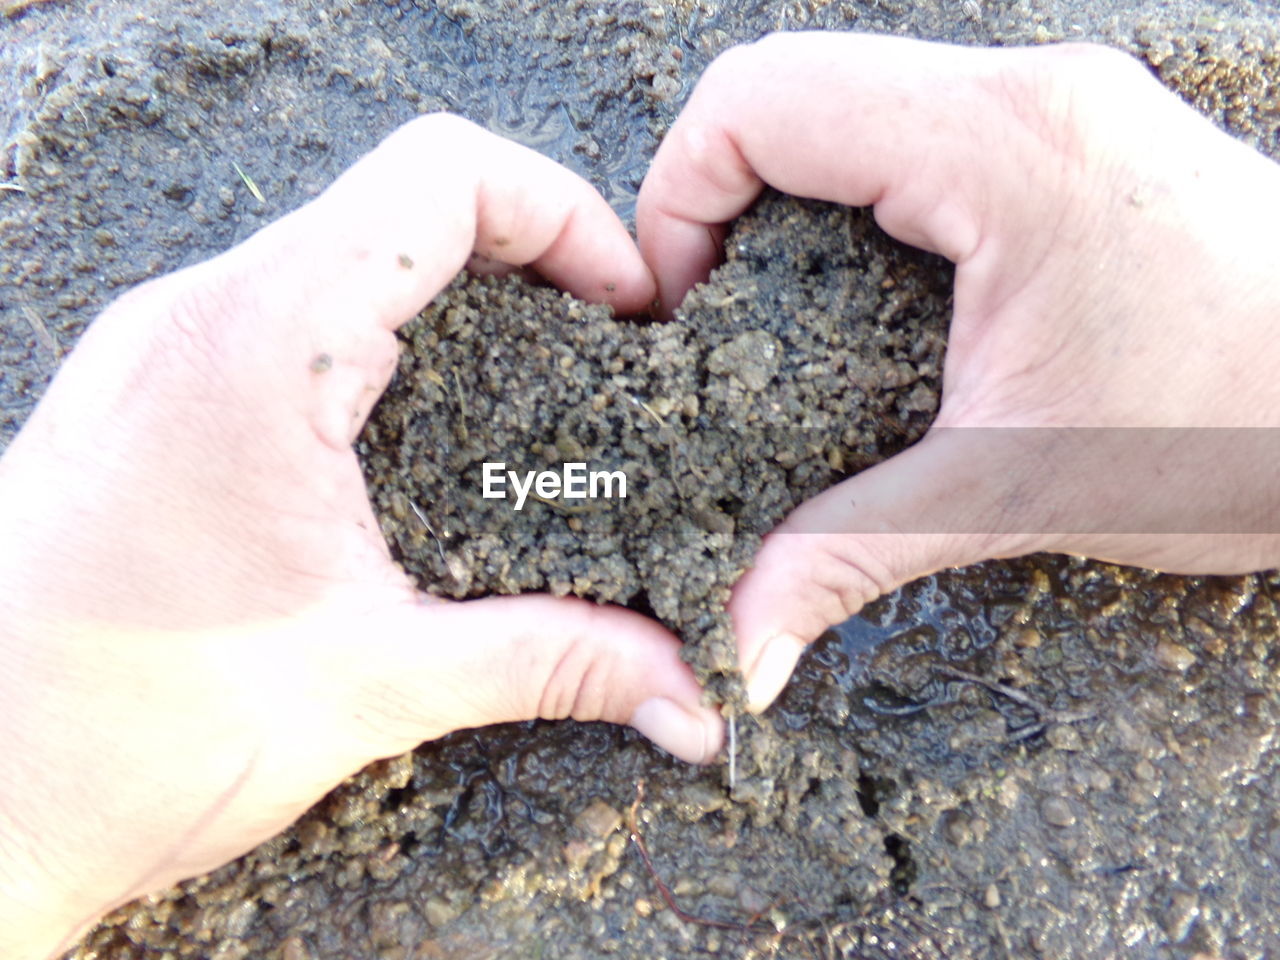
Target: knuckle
point(432, 129)
point(729, 71)
point(1085, 77)
point(859, 579)
point(740, 63)
point(574, 684)
point(832, 581)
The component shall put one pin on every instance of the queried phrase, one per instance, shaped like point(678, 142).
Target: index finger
point(394, 229)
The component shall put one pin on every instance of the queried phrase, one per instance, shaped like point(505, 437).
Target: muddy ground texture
point(1046, 757)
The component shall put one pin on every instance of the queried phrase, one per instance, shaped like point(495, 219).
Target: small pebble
point(959, 831)
point(1057, 812)
point(1063, 737)
point(1174, 656)
point(724, 885)
point(598, 820)
point(438, 911)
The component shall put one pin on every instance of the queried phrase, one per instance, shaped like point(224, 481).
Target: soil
point(1047, 757)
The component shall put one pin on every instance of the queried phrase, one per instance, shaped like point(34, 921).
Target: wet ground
point(1037, 758)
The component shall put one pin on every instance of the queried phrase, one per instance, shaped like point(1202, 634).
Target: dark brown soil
point(791, 369)
point(1119, 803)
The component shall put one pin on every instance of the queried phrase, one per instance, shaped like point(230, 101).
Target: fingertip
point(595, 258)
point(694, 735)
point(773, 666)
point(634, 290)
point(680, 253)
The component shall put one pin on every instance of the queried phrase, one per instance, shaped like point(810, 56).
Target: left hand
point(202, 630)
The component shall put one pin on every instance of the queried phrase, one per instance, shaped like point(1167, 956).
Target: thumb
point(956, 497)
point(444, 666)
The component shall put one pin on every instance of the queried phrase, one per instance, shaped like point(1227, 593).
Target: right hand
point(1117, 268)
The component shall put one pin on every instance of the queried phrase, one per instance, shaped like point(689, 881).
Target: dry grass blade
point(248, 182)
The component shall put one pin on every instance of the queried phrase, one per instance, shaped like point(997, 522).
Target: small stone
point(958, 830)
point(752, 901)
point(665, 87)
point(1063, 737)
point(752, 357)
point(1057, 812)
point(1028, 638)
point(980, 828)
point(598, 820)
point(1174, 656)
point(1181, 914)
point(576, 853)
point(991, 897)
point(240, 918)
point(438, 911)
point(313, 835)
point(1007, 794)
point(294, 948)
point(723, 885)
point(643, 907)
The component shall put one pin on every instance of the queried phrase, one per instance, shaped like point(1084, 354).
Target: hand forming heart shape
point(205, 626)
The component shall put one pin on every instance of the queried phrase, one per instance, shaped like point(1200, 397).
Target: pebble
point(1057, 812)
point(1064, 737)
point(438, 911)
point(958, 830)
point(1181, 914)
point(991, 897)
point(752, 357)
point(576, 853)
point(598, 820)
point(1174, 656)
point(724, 885)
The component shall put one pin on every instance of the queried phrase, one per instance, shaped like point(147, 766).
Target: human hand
point(1116, 294)
point(201, 626)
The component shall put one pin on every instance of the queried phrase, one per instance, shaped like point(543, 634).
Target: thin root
point(733, 751)
point(633, 825)
point(1045, 713)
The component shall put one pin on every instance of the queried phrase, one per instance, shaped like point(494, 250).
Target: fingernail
point(692, 737)
point(771, 671)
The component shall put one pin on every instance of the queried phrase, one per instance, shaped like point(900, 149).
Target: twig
point(1046, 713)
point(421, 516)
point(41, 331)
point(733, 751)
point(13, 187)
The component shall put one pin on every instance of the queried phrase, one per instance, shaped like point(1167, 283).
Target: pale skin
point(203, 631)
point(1117, 267)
